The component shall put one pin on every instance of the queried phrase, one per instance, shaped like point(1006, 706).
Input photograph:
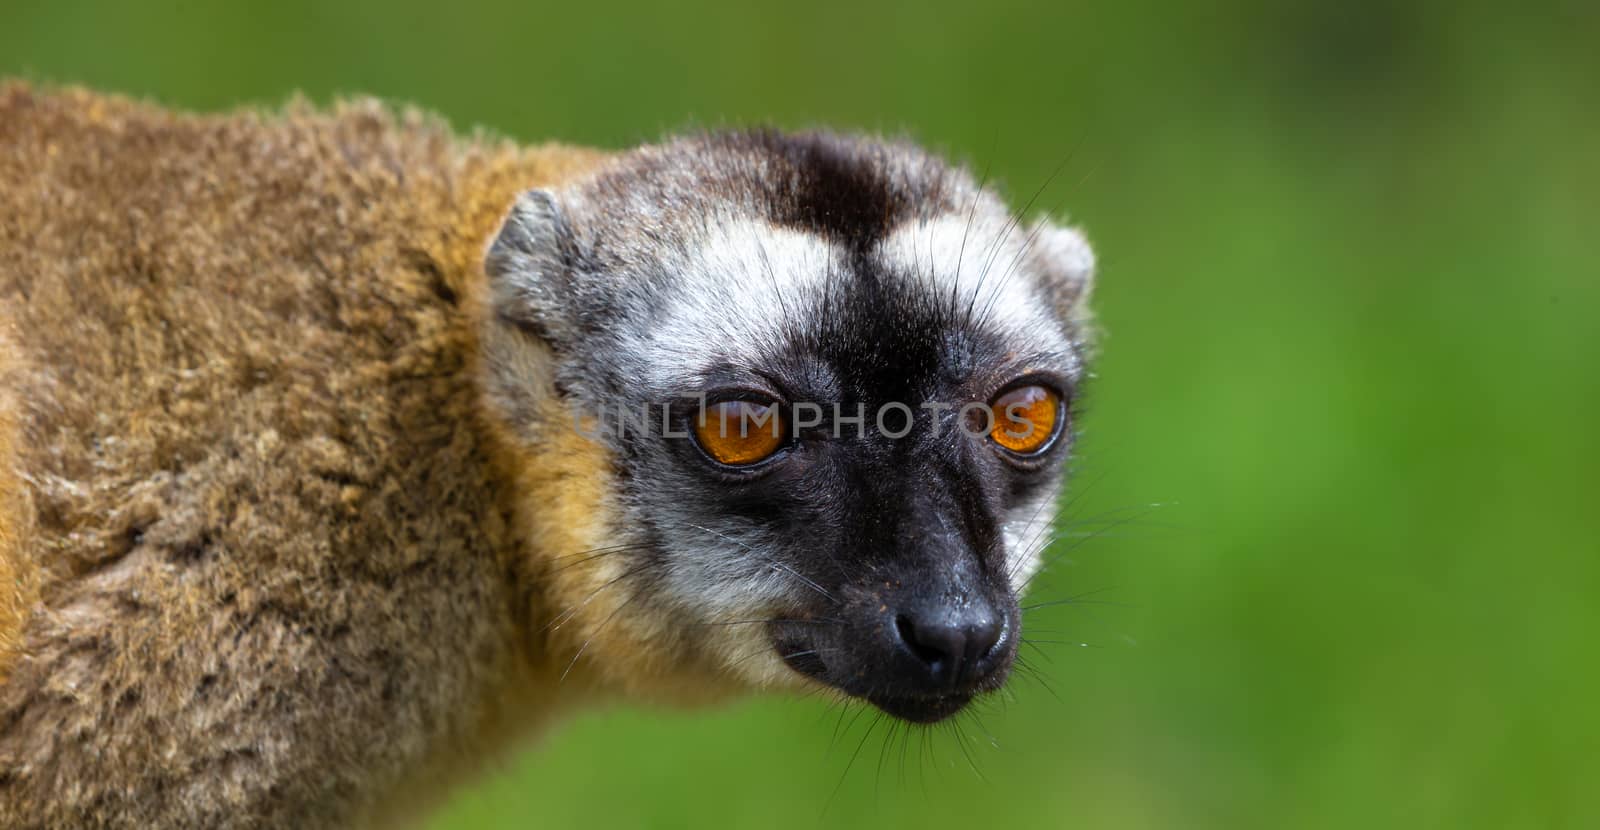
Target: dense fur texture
point(807, 268)
point(302, 510)
point(275, 574)
point(17, 572)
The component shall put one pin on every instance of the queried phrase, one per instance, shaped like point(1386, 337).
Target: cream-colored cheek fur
point(592, 620)
point(1027, 533)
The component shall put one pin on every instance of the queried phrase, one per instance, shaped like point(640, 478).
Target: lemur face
point(834, 382)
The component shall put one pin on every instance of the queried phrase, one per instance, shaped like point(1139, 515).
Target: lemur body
point(297, 525)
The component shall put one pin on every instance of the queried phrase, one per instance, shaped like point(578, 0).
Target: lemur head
point(826, 384)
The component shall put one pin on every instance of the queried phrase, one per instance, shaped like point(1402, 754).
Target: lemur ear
point(530, 266)
point(1063, 258)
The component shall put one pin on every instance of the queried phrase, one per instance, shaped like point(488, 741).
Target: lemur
point(314, 491)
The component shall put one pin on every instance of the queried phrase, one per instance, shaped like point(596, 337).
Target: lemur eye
point(1025, 418)
point(740, 433)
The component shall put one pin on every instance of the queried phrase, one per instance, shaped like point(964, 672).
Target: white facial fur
point(983, 262)
point(699, 270)
point(742, 281)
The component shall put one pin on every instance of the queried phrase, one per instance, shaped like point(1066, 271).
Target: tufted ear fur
point(530, 268)
point(1063, 259)
point(529, 319)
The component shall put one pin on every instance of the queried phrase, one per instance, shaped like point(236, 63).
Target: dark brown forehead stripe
point(851, 190)
point(846, 189)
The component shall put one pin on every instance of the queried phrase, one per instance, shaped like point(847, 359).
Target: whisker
point(1046, 527)
point(1011, 225)
point(816, 621)
point(978, 722)
point(905, 743)
point(1032, 673)
point(972, 213)
point(1035, 642)
point(562, 618)
point(597, 631)
point(1041, 652)
point(1076, 599)
point(1074, 546)
point(955, 727)
point(853, 756)
point(606, 549)
point(883, 749)
point(592, 555)
point(773, 563)
point(1011, 572)
point(860, 710)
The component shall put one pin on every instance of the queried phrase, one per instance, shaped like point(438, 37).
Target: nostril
point(984, 637)
point(951, 645)
point(931, 653)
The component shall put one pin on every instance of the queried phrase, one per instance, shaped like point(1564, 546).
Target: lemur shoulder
point(306, 507)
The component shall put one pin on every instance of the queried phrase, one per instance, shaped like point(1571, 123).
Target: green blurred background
point(1350, 279)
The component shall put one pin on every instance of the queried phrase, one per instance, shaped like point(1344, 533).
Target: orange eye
point(739, 433)
point(1025, 419)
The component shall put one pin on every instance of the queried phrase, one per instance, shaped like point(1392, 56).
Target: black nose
point(950, 644)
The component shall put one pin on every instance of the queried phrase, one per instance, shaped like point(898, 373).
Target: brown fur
point(264, 558)
point(17, 586)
